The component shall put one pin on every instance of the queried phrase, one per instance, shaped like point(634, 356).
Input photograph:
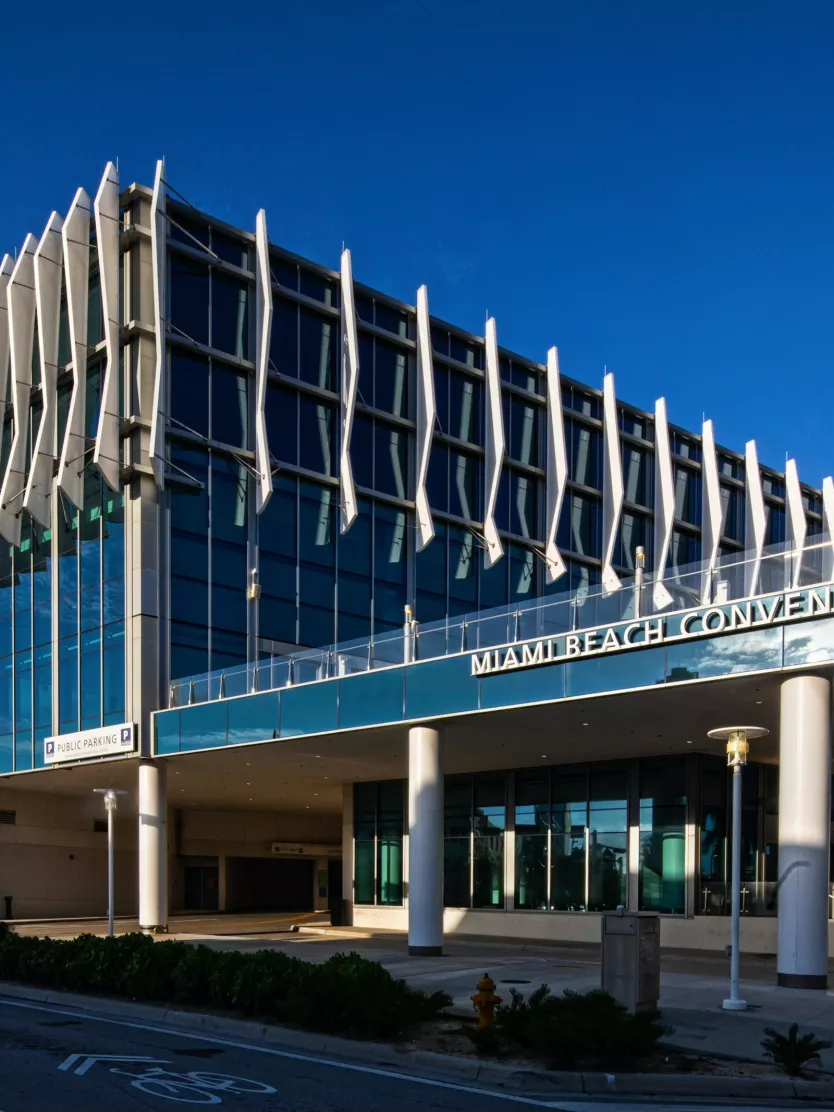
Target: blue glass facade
point(62, 590)
point(317, 585)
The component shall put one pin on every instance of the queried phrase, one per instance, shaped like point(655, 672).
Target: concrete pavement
point(693, 985)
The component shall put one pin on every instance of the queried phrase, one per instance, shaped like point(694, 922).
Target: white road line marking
point(350, 1066)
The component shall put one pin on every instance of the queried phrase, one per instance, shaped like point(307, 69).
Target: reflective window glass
point(189, 298)
point(687, 496)
point(319, 341)
point(489, 821)
point(283, 340)
point(585, 463)
point(229, 405)
point(282, 422)
point(608, 840)
point(523, 439)
point(465, 405)
point(317, 425)
point(636, 475)
point(391, 459)
point(189, 384)
point(457, 808)
point(391, 378)
point(663, 836)
point(230, 314)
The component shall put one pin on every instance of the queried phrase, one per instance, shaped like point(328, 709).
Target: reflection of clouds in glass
point(748, 653)
point(812, 644)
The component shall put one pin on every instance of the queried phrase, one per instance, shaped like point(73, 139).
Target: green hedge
point(346, 994)
point(576, 1030)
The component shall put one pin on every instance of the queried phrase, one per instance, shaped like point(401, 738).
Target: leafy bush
point(580, 1031)
point(793, 1051)
point(347, 993)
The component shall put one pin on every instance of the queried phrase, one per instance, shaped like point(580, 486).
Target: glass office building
point(246, 499)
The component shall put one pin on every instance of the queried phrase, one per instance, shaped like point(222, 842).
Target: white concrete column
point(425, 842)
point(153, 845)
point(804, 831)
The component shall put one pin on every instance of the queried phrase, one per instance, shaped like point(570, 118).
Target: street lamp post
point(111, 801)
point(737, 739)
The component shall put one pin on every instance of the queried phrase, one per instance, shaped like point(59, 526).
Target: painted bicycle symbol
point(194, 1087)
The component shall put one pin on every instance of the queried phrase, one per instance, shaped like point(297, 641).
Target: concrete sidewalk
point(693, 984)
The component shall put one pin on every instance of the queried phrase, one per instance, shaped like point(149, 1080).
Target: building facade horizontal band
point(76, 243)
point(557, 467)
point(106, 211)
point(263, 333)
point(712, 514)
point(159, 237)
point(495, 446)
point(48, 265)
point(426, 414)
point(6, 268)
point(664, 508)
point(21, 300)
point(350, 384)
point(612, 485)
point(756, 520)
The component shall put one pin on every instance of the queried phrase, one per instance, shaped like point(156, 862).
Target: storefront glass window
point(532, 818)
point(488, 849)
point(569, 819)
point(608, 840)
point(663, 836)
point(457, 829)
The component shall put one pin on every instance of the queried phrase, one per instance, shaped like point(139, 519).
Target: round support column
point(425, 842)
point(153, 846)
point(804, 832)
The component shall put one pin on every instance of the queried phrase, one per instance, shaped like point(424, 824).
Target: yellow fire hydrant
point(486, 1001)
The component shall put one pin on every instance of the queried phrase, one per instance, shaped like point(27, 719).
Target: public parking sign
point(104, 742)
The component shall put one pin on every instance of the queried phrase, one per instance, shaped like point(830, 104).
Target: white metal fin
point(612, 486)
point(796, 520)
point(263, 331)
point(426, 412)
point(21, 300)
point(350, 383)
point(664, 503)
point(6, 268)
point(48, 266)
point(159, 235)
point(756, 523)
point(76, 243)
point(495, 446)
point(711, 511)
point(106, 210)
point(557, 467)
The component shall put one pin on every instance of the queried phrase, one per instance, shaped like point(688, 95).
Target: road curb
point(491, 1075)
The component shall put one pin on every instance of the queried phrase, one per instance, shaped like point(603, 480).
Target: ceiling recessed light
point(758, 702)
point(544, 756)
point(584, 723)
point(688, 742)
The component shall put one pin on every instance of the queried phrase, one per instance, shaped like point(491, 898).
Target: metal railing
point(734, 577)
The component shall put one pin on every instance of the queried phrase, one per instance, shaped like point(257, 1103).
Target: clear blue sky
point(648, 185)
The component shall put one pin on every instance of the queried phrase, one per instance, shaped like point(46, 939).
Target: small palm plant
point(793, 1051)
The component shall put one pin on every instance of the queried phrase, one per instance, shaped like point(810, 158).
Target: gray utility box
point(631, 959)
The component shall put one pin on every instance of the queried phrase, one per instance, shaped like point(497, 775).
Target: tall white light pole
point(737, 739)
point(111, 801)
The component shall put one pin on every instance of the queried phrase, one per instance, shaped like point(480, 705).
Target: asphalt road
point(63, 1060)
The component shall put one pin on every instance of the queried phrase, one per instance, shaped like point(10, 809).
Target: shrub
point(793, 1051)
point(580, 1031)
point(347, 993)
